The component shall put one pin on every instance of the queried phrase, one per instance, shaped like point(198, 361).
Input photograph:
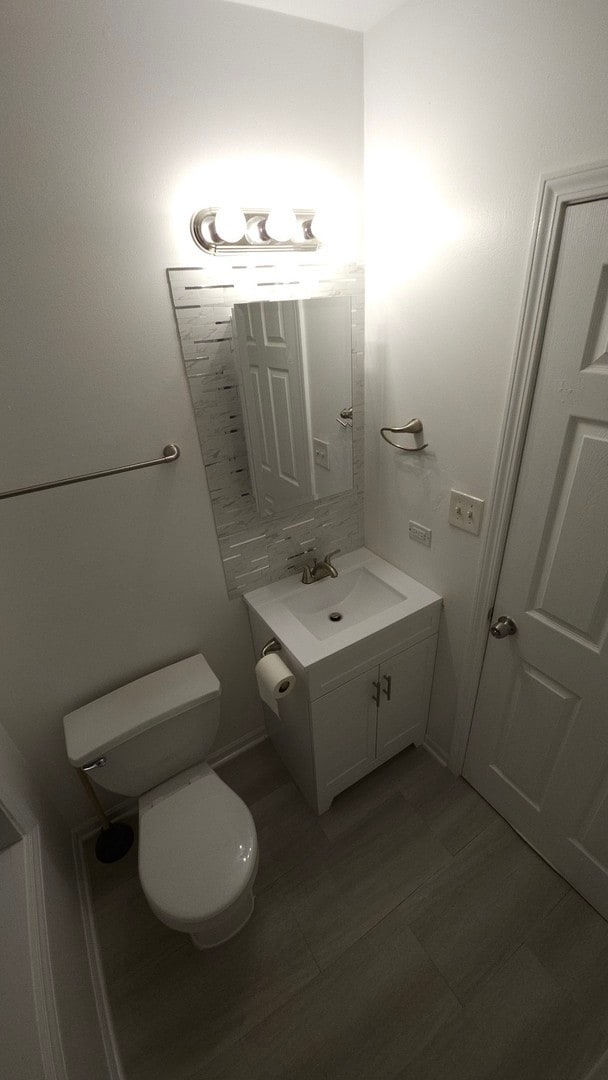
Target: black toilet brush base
point(114, 842)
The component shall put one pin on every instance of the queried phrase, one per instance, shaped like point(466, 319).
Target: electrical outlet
point(420, 533)
point(466, 512)
point(321, 450)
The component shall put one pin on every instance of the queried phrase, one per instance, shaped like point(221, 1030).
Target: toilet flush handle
point(98, 764)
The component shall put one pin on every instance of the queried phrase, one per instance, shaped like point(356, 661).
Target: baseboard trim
point(239, 746)
point(435, 751)
point(47, 1017)
point(115, 1070)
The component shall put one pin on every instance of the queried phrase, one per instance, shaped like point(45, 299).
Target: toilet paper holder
point(272, 645)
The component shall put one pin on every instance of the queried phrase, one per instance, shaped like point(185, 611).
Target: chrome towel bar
point(413, 427)
point(170, 453)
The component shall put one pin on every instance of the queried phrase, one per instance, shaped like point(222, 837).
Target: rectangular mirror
point(293, 360)
point(273, 353)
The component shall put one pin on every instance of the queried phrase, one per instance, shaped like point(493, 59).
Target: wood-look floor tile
point(351, 807)
point(231, 1064)
point(600, 1069)
point(289, 833)
point(129, 934)
point(476, 1044)
point(361, 1019)
point(478, 910)
point(457, 815)
point(571, 940)
point(418, 775)
point(519, 1025)
point(256, 773)
point(338, 897)
point(191, 1006)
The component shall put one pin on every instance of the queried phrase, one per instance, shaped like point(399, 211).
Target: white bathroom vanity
point(362, 647)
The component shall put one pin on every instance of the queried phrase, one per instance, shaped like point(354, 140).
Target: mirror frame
point(254, 551)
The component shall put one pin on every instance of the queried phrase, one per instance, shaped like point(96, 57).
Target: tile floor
point(408, 934)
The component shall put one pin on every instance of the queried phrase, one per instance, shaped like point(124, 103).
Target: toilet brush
point(116, 837)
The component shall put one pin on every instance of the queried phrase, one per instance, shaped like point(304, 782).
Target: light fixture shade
point(319, 226)
point(230, 224)
point(226, 230)
point(281, 224)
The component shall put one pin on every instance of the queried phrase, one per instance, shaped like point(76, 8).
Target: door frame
point(557, 193)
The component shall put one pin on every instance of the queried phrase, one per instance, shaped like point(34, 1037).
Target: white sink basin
point(369, 595)
point(333, 605)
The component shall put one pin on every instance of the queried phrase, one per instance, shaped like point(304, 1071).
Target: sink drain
point(335, 616)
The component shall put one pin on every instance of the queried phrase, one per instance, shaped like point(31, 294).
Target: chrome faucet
point(320, 570)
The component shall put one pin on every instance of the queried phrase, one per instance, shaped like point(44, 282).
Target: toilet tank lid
point(126, 712)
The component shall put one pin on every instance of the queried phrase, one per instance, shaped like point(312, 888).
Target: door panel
point(402, 716)
point(344, 733)
point(539, 743)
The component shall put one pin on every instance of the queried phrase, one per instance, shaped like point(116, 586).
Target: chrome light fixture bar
point(216, 230)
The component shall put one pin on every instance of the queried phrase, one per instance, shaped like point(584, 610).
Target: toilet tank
point(148, 730)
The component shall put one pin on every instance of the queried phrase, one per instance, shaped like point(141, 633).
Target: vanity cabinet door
point(344, 735)
point(405, 690)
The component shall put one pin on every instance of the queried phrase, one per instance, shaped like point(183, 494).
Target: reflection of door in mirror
point(272, 381)
point(326, 346)
point(294, 364)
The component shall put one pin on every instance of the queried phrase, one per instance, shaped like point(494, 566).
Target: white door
point(269, 353)
point(538, 749)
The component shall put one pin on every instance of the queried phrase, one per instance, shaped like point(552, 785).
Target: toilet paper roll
point(275, 680)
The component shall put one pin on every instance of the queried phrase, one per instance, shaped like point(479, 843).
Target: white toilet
point(198, 851)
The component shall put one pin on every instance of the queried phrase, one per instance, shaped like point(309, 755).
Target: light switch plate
point(321, 450)
point(420, 533)
point(466, 512)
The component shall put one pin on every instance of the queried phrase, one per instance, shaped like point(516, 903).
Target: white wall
point(77, 1041)
point(121, 120)
point(327, 348)
point(466, 106)
point(20, 1051)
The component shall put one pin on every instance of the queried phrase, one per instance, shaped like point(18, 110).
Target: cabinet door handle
point(376, 696)
point(389, 683)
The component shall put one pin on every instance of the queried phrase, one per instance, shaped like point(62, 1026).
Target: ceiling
point(350, 14)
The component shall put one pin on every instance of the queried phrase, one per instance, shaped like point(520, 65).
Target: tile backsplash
point(255, 551)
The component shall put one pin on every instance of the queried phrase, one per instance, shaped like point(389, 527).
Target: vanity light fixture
point(228, 230)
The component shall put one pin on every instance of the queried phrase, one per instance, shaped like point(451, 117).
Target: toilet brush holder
point(116, 837)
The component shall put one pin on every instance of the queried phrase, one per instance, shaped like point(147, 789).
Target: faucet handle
point(331, 554)
point(307, 572)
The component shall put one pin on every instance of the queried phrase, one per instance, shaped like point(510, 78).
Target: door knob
point(503, 627)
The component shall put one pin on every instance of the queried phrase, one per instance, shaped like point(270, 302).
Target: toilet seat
point(197, 848)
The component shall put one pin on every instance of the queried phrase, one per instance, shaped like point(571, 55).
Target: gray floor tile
point(129, 934)
point(411, 893)
point(476, 1044)
point(572, 940)
point(192, 1005)
point(256, 773)
point(518, 1026)
point(232, 1064)
point(457, 815)
point(418, 775)
point(477, 911)
point(338, 897)
point(362, 1019)
point(289, 834)
point(353, 806)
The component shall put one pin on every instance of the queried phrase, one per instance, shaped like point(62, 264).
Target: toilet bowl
point(198, 856)
point(198, 851)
